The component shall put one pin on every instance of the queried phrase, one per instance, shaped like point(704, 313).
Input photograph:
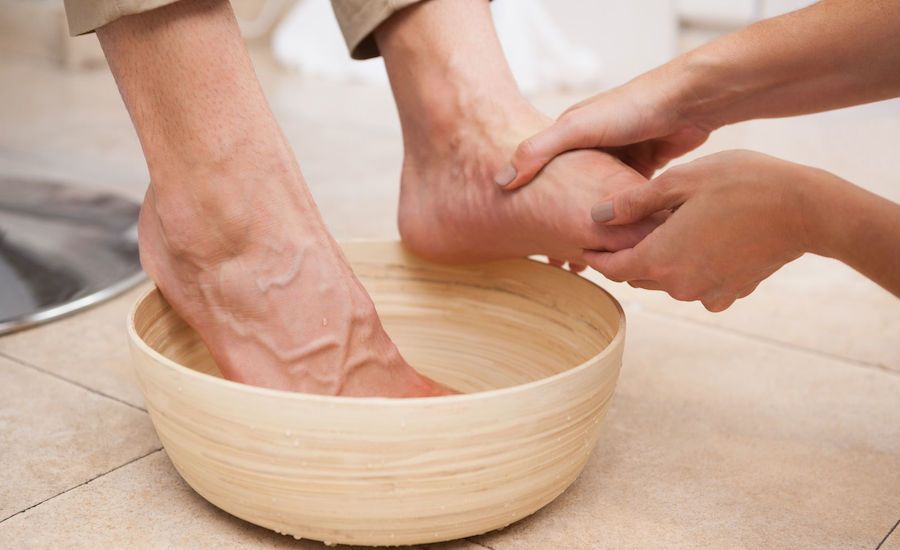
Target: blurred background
point(61, 120)
point(60, 115)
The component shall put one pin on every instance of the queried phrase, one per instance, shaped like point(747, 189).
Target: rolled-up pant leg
point(88, 15)
point(358, 19)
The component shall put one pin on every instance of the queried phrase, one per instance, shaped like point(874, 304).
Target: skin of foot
point(462, 115)
point(451, 210)
point(228, 229)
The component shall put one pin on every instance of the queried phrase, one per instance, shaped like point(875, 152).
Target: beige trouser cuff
point(358, 19)
point(88, 15)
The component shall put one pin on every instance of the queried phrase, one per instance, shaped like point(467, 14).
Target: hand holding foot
point(639, 123)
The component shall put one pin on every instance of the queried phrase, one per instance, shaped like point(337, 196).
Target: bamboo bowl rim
point(593, 360)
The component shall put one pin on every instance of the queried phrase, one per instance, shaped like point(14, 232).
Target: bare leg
point(228, 230)
point(462, 115)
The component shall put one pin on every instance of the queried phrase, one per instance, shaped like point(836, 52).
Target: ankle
point(441, 82)
point(477, 139)
point(219, 219)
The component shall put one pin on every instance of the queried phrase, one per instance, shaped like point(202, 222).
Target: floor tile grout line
point(889, 533)
point(82, 484)
point(771, 341)
point(26, 364)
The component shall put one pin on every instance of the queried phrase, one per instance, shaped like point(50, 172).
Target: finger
point(638, 202)
point(534, 153)
point(576, 268)
point(624, 265)
point(555, 263)
point(610, 238)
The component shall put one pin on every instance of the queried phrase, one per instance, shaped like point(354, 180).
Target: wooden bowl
point(536, 350)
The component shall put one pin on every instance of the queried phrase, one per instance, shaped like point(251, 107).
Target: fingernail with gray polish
point(602, 212)
point(505, 175)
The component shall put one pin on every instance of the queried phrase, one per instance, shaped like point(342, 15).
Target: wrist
point(700, 98)
point(721, 83)
point(822, 199)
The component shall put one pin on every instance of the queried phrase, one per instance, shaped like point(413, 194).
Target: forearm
point(854, 226)
point(190, 88)
point(830, 55)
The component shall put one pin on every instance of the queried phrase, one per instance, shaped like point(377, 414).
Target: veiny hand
point(642, 122)
point(739, 217)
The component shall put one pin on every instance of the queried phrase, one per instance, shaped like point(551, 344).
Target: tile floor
point(775, 424)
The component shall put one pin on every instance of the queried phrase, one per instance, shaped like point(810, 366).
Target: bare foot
point(272, 296)
point(451, 210)
point(228, 230)
point(462, 116)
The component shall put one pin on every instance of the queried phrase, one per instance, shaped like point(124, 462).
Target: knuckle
point(570, 121)
point(527, 150)
point(667, 182)
point(580, 127)
point(624, 207)
point(671, 176)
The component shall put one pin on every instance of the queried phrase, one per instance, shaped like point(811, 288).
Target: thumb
point(570, 131)
point(638, 202)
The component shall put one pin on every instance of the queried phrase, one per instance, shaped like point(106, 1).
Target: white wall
point(630, 37)
point(735, 12)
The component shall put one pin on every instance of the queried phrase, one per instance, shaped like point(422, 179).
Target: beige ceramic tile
point(144, 505)
point(892, 541)
point(814, 303)
point(89, 348)
point(55, 436)
point(70, 125)
point(717, 441)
